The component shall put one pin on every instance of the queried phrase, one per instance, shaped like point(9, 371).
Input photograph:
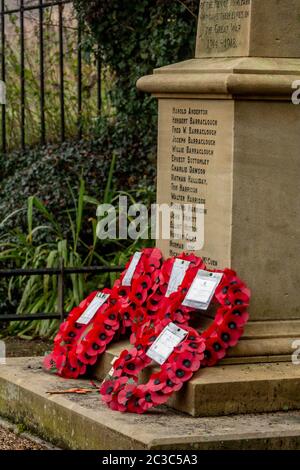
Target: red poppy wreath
point(123, 392)
point(78, 345)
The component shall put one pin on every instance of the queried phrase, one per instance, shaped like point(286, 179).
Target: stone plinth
point(229, 138)
point(221, 390)
point(257, 28)
point(82, 422)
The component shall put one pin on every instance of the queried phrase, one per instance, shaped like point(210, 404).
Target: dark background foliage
point(133, 38)
point(44, 172)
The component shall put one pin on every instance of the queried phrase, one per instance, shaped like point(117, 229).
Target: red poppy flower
point(220, 315)
point(235, 281)
point(159, 398)
point(229, 337)
point(238, 298)
point(59, 357)
point(214, 351)
point(153, 301)
point(139, 292)
point(178, 374)
point(111, 320)
point(188, 362)
point(119, 363)
point(194, 260)
point(157, 279)
point(239, 315)
point(181, 316)
point(133, 405)
point(144, 281)
point(126, 314)
point(126, 393)
point(110, 391)
point(153, 263)
point(55, 362)
point(192, 347)
point(145, 398)
point(75, 363)
point(93, 349)
point(171, 386)
point(73, 367)
point(133, 366)
point(146, 334)
point(107, 389)
point(121, 292)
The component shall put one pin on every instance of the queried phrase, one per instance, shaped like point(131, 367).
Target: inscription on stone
point(224, 28)
point(195, 167)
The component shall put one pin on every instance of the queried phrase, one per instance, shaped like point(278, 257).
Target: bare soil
point(17, 347)
point(11, 441)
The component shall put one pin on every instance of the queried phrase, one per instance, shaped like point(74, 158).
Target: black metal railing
point(39, 7)
point(61, 274)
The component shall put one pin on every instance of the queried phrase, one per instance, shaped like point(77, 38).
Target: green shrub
point(45, 244)
point(43, 172)
point(133, 38)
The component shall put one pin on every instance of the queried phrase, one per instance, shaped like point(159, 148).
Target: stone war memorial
point(228, 141)
point(229, 138)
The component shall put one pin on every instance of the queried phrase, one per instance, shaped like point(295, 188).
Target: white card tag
point(180, 267)
point(131, 269)
point(92, 309)
point(166, 342)
point(202, 290)
point(109, 375)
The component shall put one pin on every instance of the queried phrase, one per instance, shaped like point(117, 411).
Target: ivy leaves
point(133, 39)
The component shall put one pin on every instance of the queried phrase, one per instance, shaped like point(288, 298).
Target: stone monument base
point(233, 387)
point(83, 422)
point(249, 185)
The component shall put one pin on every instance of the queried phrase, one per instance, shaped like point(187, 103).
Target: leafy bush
point(45, 245)
point(43, 172)
point(134, 37)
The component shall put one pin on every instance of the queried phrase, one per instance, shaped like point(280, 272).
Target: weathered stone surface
point(224, 28)
point(265, 215)
point(267, 387)
point(248, 183)
point(83, 422)
point(225, 78)
point(247, 61)
point(232, 28)
point(195, 166)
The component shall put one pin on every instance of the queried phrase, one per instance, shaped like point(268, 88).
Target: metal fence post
point(61, 70)
point(60, 273)
point(3, 74)
point(61, 291)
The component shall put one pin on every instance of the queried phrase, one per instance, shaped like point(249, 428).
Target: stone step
point(229, 388)
point(83, 422)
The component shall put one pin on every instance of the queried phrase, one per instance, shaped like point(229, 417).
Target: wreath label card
point(164, 345)
point(180, 267)
point(202, 290)
point(93, 308)
point(131, 269)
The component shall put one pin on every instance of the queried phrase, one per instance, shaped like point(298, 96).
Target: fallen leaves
point(78, 391)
